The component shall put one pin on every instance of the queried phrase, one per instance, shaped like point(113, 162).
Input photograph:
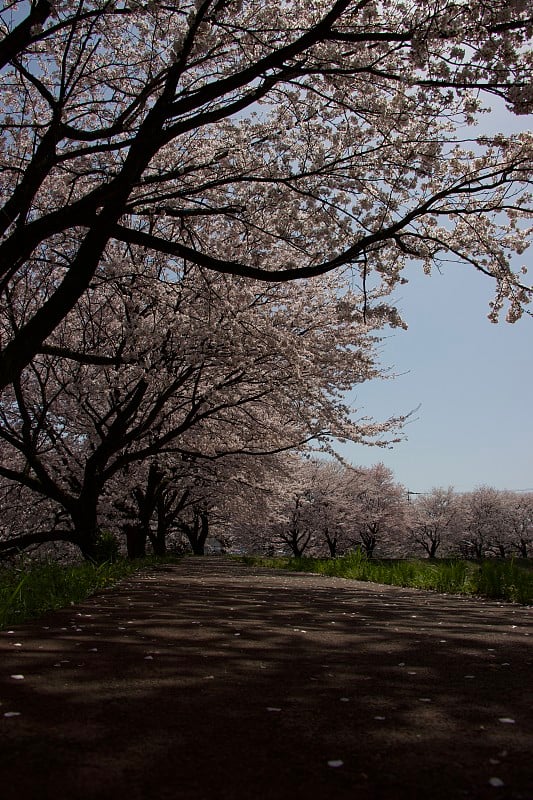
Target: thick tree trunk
point(88, 549)
point(160, 547)
point(369, 545)
point(479, 550)
point(433, 547)
point(159, 541)
point(203, 533)
point(135, 541)
point(198, 548)
point(86, 528)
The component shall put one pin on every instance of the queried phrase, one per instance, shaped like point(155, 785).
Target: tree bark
point(198, 532)
point(135, 541)
point(86, 529)
point(332, 545)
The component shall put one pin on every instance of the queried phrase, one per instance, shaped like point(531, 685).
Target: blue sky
point(473, 379)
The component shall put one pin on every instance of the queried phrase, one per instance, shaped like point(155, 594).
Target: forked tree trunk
point(332, 544)
point(431, 546)
point(198, 532)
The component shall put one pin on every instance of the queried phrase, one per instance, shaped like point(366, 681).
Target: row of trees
point(331, 509)
point(204, 209)
point(278, 503)
point(163, 386)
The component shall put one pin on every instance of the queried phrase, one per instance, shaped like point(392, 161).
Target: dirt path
point(215, 681)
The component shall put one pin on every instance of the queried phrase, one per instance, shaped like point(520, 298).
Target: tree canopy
point(267, 141)
point(205, 208)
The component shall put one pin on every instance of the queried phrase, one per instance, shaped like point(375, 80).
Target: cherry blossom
point(158, 372)
point(266, 141)
point(433, 521)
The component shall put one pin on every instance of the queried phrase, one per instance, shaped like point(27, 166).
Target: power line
point(410, 492)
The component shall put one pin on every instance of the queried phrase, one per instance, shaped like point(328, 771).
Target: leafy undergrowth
point(31, 589)
point(499, 580)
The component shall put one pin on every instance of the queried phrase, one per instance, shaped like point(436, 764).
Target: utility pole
point(409, 493)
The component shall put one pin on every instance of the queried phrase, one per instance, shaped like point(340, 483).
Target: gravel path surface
point(211, 680)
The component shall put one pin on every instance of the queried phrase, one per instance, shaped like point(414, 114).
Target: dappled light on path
point(216, 680)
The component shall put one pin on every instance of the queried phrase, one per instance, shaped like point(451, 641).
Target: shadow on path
point(216, 681)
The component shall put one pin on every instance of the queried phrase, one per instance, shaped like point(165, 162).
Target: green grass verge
point(499, 580)
point(31, 589)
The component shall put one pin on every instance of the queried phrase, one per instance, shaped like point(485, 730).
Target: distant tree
point(331, 507)
point(432, 520)
point(297, 533)
point(253, 501)
point(378, 512)
point(315, 516)
point(329, 494)
point(146, 502)
point(518, 516)
point(482, 523)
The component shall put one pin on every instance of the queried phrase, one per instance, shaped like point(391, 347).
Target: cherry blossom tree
point(311, 515)
point(298, 533)
point(144, 501)
point(227, 499)
point(266, 141)
point(483, 529)
point(255, 508)
point(218, 497)
point(379, 511)
point(433, 519)
point(330, 484)
point(518, 514)
point(327, 507)
point(483, 523)
point(155, 366)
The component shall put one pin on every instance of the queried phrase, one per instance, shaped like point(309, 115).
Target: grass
point(32, 588)
point(499, 580)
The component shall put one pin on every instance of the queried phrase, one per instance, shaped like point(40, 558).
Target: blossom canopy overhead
point(269, 141)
